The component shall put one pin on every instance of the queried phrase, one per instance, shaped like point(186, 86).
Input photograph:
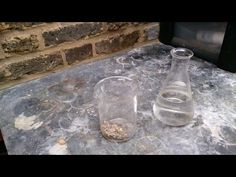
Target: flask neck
point(179, 64)
point(180, 59)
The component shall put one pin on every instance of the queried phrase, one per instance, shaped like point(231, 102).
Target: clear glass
point(117, 106)
point(174, 103)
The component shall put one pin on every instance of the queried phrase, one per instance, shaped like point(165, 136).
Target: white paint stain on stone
point(27, 123)
point(58, 149)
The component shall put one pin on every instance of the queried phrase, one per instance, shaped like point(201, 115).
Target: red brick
point(38, 64)
point(78, 53)
point(71, 33)
point(117, 43)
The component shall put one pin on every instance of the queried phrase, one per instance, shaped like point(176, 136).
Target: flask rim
point(181, 53)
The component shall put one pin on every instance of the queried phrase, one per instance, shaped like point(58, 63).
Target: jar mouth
point(181, 53)
point(118, 79)
point(114, 77)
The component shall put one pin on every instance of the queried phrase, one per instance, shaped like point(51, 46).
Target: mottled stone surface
point(61, 117)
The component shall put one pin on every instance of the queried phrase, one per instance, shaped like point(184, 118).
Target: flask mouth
point(181, 53)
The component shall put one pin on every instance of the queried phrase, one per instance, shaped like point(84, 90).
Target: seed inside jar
point(117, 129)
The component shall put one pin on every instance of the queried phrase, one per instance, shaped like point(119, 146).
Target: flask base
point(172, 117)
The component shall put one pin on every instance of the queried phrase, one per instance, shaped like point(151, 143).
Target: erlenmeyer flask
point(174, 104)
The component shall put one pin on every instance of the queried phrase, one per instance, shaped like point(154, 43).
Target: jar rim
point(181, 53)
point(111, 77)
point(115, 77)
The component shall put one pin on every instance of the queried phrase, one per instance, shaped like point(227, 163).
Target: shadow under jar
point(116, 98)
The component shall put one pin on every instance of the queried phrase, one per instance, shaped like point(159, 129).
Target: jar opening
point(115, 85)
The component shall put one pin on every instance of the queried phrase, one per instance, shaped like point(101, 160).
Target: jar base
point(118, 130)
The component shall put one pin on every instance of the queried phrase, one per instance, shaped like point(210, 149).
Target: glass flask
point(116, 98)
point(174, 104)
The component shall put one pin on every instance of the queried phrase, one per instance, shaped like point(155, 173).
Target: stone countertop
point(57, 114)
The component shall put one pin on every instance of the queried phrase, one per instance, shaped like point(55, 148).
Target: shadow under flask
point(174, 104)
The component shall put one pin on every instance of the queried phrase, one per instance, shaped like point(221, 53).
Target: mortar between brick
point(39, 30)
point(59, 68)
point(68, 45)
point(73, 44)
point(64, 58)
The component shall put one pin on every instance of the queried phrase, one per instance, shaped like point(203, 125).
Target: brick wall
point(32, 48)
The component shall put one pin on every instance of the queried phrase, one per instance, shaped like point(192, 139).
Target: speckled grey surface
point(61, 106)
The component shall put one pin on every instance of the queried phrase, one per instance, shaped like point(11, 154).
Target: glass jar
point(116, 99)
